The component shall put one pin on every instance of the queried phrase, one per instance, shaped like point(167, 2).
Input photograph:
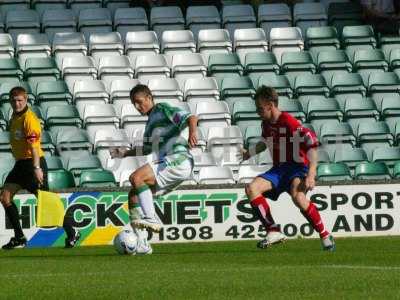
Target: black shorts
point(23, 174)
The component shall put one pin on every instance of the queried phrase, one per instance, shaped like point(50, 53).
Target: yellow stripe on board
point(101, 236)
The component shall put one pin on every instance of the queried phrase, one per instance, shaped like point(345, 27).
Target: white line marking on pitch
point(208, 270)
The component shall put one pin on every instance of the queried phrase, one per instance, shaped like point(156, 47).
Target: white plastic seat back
point(78, 68)
point(216, 175)
point(213, 114)
point(165, 89)
point(141, 43)
point(150, 66)
point(90, 90)
point(203, 88)
point(130, 19)
point(113, 68)
point(6, 46)
point(177, 41)
point(119, 89)
point(95, 20)
point(202, 17)
point(166, 18)
point(214, 41)
point(109, 138)
point(68, 44)
point(58, 20)
point(286, 40)
point(225, 143)
point(188, 65)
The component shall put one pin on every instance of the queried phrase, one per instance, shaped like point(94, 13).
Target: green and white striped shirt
point(164, 132)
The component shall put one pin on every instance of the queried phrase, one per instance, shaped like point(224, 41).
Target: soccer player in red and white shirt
point(294, 152)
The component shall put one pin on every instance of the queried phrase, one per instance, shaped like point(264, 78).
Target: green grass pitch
point(361, 268)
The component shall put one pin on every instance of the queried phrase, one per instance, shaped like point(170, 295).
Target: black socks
point(13, 217)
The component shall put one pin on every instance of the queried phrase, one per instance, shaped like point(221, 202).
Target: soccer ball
point(125, 242)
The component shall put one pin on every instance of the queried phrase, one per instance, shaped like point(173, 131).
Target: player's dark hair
point(140, 88)
point(17, 91)
point(266, 93)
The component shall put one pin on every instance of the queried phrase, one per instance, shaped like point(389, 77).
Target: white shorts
point(171, 171)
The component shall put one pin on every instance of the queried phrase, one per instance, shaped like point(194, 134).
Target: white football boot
point(273, 237)
point(328, 243)
point(143, 245)
point(147, 223)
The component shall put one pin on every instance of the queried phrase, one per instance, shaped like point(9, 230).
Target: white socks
point(146, 201)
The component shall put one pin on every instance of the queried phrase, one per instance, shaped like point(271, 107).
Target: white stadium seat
point(13, 5)
point(202, 17)
point(68, 44)
point(201, 160)
point(177, 41)
point(151, 66)
point(72, 138)
point(73, 163)
point(212, 41)
point(114, 5)
point(22, 21)
point(130, 19)
point(99, 116)
point(188, 65)
point(201, 89)
point(42, 5)
point(213, 114)
point(107, 138)
point(105, 44)
point(285, 40)
point(307, 15)
point(274, 15)
point(6, 46)
point(94, 20)
point(225, 143)
point(248, 41)
point(89, 91)
point(131, 118)
point(216, 175)
point(166, 18)
point(59, 20)
point(32, 45)
point(114, 68)
point(78, 68)
point(238, 16)
point(78, 5)
point(119, 90)
point(165, 89)
point(141, 43)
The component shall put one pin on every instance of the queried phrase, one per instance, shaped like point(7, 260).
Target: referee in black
point(30, 169)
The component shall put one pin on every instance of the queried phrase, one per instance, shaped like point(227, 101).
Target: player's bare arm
point(36, 165)
point(192, 123)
